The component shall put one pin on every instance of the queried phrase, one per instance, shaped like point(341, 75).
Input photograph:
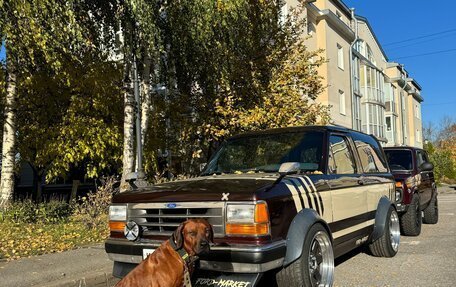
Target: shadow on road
point(350, 255)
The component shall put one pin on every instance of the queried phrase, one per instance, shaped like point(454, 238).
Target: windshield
point(399, 159)
point(266, 152)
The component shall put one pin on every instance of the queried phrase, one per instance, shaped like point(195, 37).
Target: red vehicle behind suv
point(416, 191)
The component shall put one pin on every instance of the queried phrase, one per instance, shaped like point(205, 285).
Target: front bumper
point(400, 207)
point(233, 258)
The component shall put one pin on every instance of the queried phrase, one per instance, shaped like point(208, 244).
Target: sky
point(2, 52)
point(396, 21)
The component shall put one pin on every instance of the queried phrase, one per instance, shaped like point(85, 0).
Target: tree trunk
point(9, 137)
point(74, 189)
point(129, 122)
point(146, 97)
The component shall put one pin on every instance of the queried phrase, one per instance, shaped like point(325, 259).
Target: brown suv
point(282, 202)
point(416, 191)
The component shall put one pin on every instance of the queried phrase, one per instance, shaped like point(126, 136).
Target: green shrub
point(93, 210)
point(26, 211)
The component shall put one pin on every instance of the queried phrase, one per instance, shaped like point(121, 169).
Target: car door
point(347, 193)
point(423, 178)
point(375, 178)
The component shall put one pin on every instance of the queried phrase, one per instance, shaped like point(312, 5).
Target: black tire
point(299, 273)
point(388, 244)
point(411, 220)
point(431, 213)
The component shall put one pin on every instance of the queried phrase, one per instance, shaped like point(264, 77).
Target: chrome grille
point(158, 219)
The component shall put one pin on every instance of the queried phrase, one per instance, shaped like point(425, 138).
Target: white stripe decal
point(320, 200)
point(311, 182)
point(312, 195)
point(302, 191)
point(294, 194)
point(352, 228)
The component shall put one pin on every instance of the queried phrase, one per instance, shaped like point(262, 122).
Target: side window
point(370, 154)
point(420, 158)
point(340, 158)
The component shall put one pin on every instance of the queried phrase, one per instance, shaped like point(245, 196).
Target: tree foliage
point(68, 97)
point(231, 66)
point(444, 163)
point(226, 67)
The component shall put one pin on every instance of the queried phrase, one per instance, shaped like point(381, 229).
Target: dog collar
point(181, 251)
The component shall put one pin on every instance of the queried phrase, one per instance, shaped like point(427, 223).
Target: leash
point(187, 261)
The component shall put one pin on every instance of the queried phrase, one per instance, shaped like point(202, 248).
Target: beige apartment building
point(366, 92)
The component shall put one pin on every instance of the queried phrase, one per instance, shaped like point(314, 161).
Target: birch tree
point(38, 35)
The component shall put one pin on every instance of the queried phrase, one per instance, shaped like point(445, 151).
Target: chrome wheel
point(394, 229)
point(321, 260)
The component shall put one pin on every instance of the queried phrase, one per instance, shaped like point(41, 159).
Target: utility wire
point(419, 42)
point(420, 37)
point(425, 54)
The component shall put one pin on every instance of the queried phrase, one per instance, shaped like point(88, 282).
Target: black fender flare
point(297, 231)
point(381, 219)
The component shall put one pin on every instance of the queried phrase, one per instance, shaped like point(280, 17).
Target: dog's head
point(194, 235)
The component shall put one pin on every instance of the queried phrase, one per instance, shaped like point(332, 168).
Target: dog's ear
point(178, 235)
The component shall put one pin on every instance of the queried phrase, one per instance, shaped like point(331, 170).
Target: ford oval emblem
point(171, 205)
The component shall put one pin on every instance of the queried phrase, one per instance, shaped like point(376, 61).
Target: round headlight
point(131, 230)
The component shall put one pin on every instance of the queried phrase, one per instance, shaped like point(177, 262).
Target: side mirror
point(427, 166)
point(289, 168)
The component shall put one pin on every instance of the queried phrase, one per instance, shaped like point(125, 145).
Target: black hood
point(207, 188)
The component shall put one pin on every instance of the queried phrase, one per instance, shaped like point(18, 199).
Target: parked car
point(284, 202)
point(416, 188)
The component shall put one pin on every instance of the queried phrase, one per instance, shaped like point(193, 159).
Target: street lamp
point(140, 175)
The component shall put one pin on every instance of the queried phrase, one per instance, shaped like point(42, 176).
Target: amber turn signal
point(261, 213)
point(117, 226)
point(252, 229)
point(399, 184)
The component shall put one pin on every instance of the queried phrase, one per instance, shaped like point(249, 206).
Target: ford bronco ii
point(284, 202)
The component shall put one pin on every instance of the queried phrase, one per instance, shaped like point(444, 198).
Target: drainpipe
point(402, 95)
point(352, 80)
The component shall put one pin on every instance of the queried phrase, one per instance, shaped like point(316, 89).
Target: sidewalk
point(445, 189)
point(81, 267)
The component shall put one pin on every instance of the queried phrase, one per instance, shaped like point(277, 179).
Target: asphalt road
point(426, 260)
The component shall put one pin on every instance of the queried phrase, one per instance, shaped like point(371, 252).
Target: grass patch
point(28, 229)
point(23, 240)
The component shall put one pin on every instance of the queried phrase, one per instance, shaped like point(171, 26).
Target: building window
point(357, 112)
point(417, 111)
point(340, 56)
point(342, 102)
point(388, 124)
point(418, 135)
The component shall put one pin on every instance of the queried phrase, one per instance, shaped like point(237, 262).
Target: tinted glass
point(266, 152)
point(370, 153)
point(399, 159)
point(420, 158)
point(340, 158)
